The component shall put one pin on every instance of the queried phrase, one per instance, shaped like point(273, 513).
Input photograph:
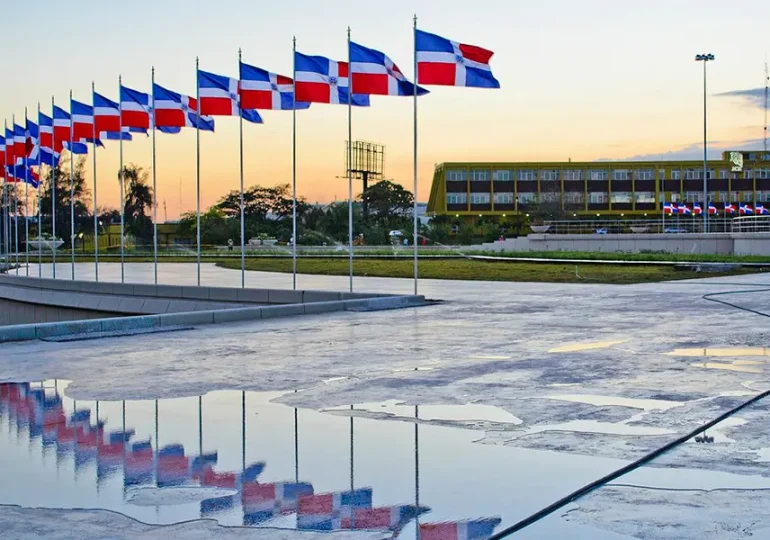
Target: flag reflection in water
point(40, 411)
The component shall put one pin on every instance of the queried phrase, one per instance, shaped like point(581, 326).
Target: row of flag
point(317, 79)
point(695, 209)
point(42, 414)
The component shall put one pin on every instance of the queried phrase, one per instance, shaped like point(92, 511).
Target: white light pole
point(705, 58)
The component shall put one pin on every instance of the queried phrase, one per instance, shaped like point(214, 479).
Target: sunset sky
point(583, 80)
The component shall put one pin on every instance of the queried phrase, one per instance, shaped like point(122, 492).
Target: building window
point(693, 174)
point(621, 197)
point(527, 176)
point(597, 197)
point(549, 175)
point(645, 174)
point(598, 175)
point(676, 175)
point(503, 198)
point(748, 196)
point(456, 175)
point(718, 196)
point(621, 174)
point(527, 198)
point(573, 175)
point(762, 173)
point(647, 197)
point(502, 175)
point(479, 198)
point(763, 196)
point(724, 174)
point(479, 175)
point(572, 198)
point(748, 173)
point(457, 198)
point(693, 196)
point(662, 174)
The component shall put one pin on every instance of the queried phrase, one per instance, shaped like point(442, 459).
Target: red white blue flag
point(82, 120)
point(106, 114)
point(373, 72)
point(713, 209)
point(477, 529)
point(745, 209)
point(220, 96)
point(444, 62)
point(729, 208)
point(134, 109)
point(760, 210)
point(19, 143)
point(173, 110)
point(62, 125)
point(2, 156)
point(261, 89)
point(321, 80)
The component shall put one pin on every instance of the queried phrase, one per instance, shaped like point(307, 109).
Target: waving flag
point(443, 62)
point(19, 143)
point(45, 125)
point(713, 209)
point(477, 529)
point(261, 89)
point(106, 114)
point(124, 135)
point(26, 175)
point(43, 156)
point(10, 148)
point(684, 209)
point(320, 80)
point(696, 209)
point(32, 135)
point(219, 96)
point(761, 210)
point(173, 110)
point(374, 72)
point(61, 126)
point(262, 502)
point(668, 208)
point(325, 512)
point(80, 147)
point(134, 108)
point(82, 120)
point(729, 208)
point(745, 209)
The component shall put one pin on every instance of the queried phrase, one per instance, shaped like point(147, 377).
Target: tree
point(60, 178)
point(386, 200)
point(138, 203)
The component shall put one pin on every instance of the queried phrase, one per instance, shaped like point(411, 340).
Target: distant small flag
point(219, 96)
point(669, 208)
point(2, 156)
point(321, 80)
point(761, 210)
point(684, 209)
point(729, 208)
point(19, 143)
point(696, 209)
point(713, 209)
point(441, 61)
point(745, 209)
point(373, 72)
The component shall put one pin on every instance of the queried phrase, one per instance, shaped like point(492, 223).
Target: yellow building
point(597, 187)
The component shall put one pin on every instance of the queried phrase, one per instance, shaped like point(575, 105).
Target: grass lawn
point(476, 270)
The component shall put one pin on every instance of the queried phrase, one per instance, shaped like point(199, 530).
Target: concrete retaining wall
point(715, 243)
point(12, 312)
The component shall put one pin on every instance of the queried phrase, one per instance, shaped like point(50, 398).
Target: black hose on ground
point(601, 482)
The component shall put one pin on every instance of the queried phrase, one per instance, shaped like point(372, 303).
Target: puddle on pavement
point(593, 426)
point(744, 366)
point(616, 401)
point(577, 347)
point(745, 351)
point(243, 460)
point(462, 414)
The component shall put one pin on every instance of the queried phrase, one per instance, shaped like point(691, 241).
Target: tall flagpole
point(350, 165)
point(294, 166)
point(96, 208)
point(39, 188)
point(121, 180)
point(53, 189)
point(414, 210)
point(72, 190)
point(243, 227)
point(198, 171)
point(26, 199)
point(15, 201)
point(154, 187)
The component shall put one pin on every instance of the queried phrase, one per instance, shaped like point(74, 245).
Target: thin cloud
point(753, 97)
point(694, 151)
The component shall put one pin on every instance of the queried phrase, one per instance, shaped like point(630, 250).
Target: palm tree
point(138, 203)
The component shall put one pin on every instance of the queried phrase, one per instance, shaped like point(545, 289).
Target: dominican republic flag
point(444, 62)
point(744, 209)
point(134, 108)
point(62, 125)
point(32, 135)
point(2, 156)
point(19, 143)
point(729, 208)
point(696, 209)
point(320, 80)
point(374, 72)
point(106, 114)
point(45, 124)
point(477, 529)
point(82, 120)
point(713, 209)
point(173, 110)
point(25, 175)
point(684, 209)
point(43, 156)
point(761, 210)
point(219, 96)
point(10, 148)
point(669, 208)
point(263, 90)
point(80, 147)
point(262, 502)
point(325, 512)
point(173, 466)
